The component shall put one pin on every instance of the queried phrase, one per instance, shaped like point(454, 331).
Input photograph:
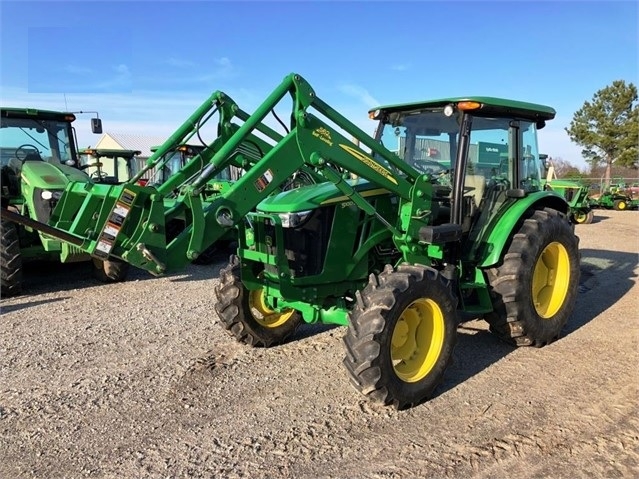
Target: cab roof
point(12, 112)
point(109, 152)
point(489, 105)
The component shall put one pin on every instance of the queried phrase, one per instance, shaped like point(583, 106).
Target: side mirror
point(96, 125)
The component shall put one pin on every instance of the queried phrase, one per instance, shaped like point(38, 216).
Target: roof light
point(69, 117)
point(468, 105)
point(373, 115)
point(449, 110)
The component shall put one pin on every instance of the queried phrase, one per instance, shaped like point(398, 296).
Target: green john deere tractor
point(576, 194)
point(38, 159)
point(392, 248)
point(110, 166)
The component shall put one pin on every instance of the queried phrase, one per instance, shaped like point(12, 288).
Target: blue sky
point(146, 65)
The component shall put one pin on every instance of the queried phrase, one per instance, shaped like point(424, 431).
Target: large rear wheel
point(620, 205)
point(401, 335)
point(247, 315)
point(10, 259)
point(535, 287)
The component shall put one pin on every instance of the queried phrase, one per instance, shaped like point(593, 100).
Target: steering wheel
point(99, 175)
point(26, 149)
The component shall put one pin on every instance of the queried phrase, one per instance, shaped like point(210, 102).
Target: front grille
point(306, 245)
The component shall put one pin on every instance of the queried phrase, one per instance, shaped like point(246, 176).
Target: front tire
point(401, 335)
point(110, 271)
point(245, 313)
point(583, 217)
point(535, 287)
point(10, 259)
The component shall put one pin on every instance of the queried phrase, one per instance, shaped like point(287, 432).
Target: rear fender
point(496, 238)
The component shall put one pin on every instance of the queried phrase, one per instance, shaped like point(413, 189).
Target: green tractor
point(617, 196)
point(38, 159)
point(576, 194)
point(110, 166)
point(396, 250)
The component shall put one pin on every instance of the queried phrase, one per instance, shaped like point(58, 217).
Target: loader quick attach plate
point(112, 228)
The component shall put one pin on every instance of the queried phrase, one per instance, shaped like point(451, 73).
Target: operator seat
point(475, 184)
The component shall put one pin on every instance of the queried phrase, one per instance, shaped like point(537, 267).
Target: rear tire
point(245, 314)
point(535, 287)
point(401, 335)
point(10, 259)
point(620, 205)
point(110, 271)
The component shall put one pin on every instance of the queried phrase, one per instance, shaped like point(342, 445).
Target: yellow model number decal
point(369, 162)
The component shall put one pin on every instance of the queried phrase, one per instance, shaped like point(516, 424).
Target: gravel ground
point(137, 380)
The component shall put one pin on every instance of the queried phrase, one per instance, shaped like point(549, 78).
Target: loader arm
point(131, 222)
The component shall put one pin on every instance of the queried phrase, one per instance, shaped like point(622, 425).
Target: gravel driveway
point(137, 380)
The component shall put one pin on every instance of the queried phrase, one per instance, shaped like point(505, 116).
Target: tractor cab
point(481, 153)
point(175, 159)
point(109, 166)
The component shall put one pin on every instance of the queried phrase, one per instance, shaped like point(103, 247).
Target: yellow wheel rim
point(622, 205)
point(418, 339)
point(263, 314)
point(550, 280)
point(580, 216)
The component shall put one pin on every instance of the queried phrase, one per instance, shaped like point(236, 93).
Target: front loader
point(171, 163)
point(396, 248)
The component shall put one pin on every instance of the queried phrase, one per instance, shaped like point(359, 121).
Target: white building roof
point(126, 141)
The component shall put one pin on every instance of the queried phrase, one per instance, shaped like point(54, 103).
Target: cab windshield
point(426, 140)
point(29, 139)
point(500, 148)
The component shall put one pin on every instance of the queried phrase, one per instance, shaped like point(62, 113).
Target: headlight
point(51, 195)
point(293, 220)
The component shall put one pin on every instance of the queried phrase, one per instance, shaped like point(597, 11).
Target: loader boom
point(130, 221)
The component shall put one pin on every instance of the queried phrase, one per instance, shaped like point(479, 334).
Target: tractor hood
point(40, 174)
point(564, 184)
point(314, 196)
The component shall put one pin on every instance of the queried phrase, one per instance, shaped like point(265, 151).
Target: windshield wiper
point(34, 139)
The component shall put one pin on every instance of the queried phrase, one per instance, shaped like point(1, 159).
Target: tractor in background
point(617, 196)
point(377, 241)
point(38, 159)
point(576, 194)
point(110, 166)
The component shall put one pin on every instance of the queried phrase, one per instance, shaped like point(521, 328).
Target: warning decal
point(263, 181)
